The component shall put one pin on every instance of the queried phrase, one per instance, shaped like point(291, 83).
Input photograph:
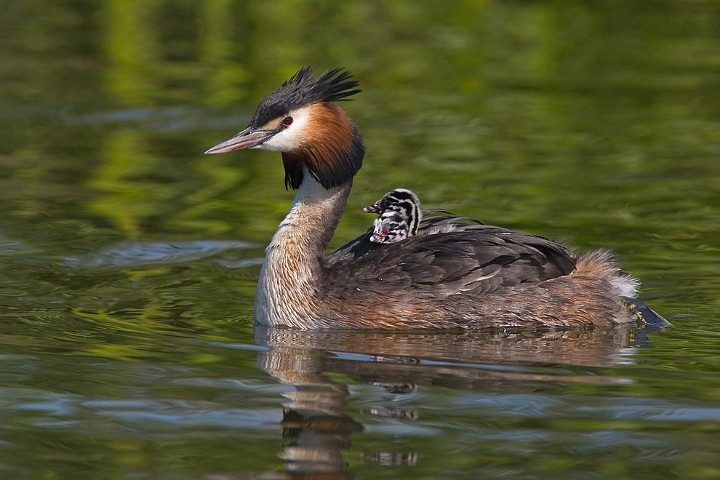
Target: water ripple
point(133, 254)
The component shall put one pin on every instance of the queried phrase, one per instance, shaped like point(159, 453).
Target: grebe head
point(302, 120)
point(399, 216)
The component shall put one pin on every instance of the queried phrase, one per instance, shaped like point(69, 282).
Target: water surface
point(128, 260)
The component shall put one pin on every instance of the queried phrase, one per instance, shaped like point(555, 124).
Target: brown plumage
point(454, 273)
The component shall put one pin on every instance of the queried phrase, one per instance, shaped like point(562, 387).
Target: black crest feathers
point(329, 86)
point(302, 89)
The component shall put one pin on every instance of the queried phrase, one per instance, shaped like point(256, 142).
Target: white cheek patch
point(290, 137)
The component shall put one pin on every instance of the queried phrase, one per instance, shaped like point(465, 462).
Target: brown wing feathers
point(474, 258)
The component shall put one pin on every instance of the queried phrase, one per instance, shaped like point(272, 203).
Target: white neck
point(291, 274)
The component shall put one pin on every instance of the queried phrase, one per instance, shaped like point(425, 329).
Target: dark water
point(129, 259)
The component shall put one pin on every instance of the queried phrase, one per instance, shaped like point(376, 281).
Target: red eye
point(287, 121)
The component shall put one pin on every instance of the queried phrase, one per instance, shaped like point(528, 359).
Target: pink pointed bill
point(245, 139)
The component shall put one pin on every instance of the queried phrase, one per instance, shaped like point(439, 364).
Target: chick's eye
point(287, 121)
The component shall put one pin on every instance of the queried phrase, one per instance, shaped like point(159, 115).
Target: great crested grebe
point(464, 276)
point(399, 216)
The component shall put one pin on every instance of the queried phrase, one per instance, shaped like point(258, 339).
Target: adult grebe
point(464, 276)
point(399, 216)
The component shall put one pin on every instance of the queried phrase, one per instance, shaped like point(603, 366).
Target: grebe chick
point(399, 216)
point(461, 276)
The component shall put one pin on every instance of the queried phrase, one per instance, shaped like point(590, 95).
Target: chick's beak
point(248, 138)
point(374, 208)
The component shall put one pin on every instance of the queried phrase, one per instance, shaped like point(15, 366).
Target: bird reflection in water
point(316, 428)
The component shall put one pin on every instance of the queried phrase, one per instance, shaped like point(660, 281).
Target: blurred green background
point(596, 123)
